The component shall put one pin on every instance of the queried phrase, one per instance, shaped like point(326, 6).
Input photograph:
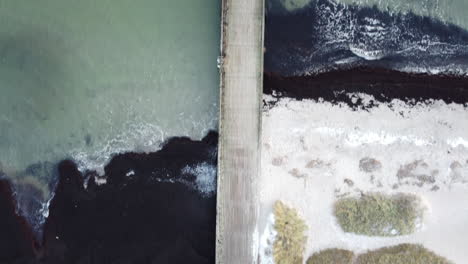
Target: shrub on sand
point(289, 245)
point(332, 256)
point(376, 214)
point(401, 254)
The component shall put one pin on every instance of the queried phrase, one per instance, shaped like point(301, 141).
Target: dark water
point(149, 211)
point(325, 35)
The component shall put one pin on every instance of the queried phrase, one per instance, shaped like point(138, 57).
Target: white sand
point(310, 148)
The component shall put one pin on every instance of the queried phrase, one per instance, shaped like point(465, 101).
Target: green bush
point(401, 254)
point(377, 214)
point(332, 256)
point(289, 245)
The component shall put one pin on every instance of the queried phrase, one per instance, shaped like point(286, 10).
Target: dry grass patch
point(289, 245)
point(376, 214)
point(332, 256)
point(401, 254)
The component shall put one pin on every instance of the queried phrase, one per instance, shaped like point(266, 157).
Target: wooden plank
point(239, 146)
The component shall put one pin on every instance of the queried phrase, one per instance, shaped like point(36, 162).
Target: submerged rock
point(44, 171)
point(17, 242)
point(154, 216)
point(30, 196)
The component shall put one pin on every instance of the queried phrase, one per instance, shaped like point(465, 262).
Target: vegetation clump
point(289, 245)
point(401, 254)
point(376, 214)
point(369, 165)
point(332, 256)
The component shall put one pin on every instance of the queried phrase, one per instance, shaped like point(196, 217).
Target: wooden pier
point(241, 67)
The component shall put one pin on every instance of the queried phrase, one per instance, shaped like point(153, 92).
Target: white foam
point(44, 211)
point(100, 180)
point(266, 241)
point(205, 174)
point(141, 137)
point(367, 54)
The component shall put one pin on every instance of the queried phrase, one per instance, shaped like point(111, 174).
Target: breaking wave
point(326, 35)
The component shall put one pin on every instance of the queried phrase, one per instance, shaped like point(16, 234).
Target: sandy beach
point(311, 156)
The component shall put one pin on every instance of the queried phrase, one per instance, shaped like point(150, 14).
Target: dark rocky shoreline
point(147, 212)
point(383, 84)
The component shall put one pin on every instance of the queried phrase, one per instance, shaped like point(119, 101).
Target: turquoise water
point(87, 79)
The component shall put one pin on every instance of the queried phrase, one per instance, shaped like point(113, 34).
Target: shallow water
point(450, 11)
point(86, 79)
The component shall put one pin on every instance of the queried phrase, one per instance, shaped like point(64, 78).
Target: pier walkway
point(241, 67)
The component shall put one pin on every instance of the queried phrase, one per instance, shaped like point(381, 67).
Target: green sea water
point(87, 79)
